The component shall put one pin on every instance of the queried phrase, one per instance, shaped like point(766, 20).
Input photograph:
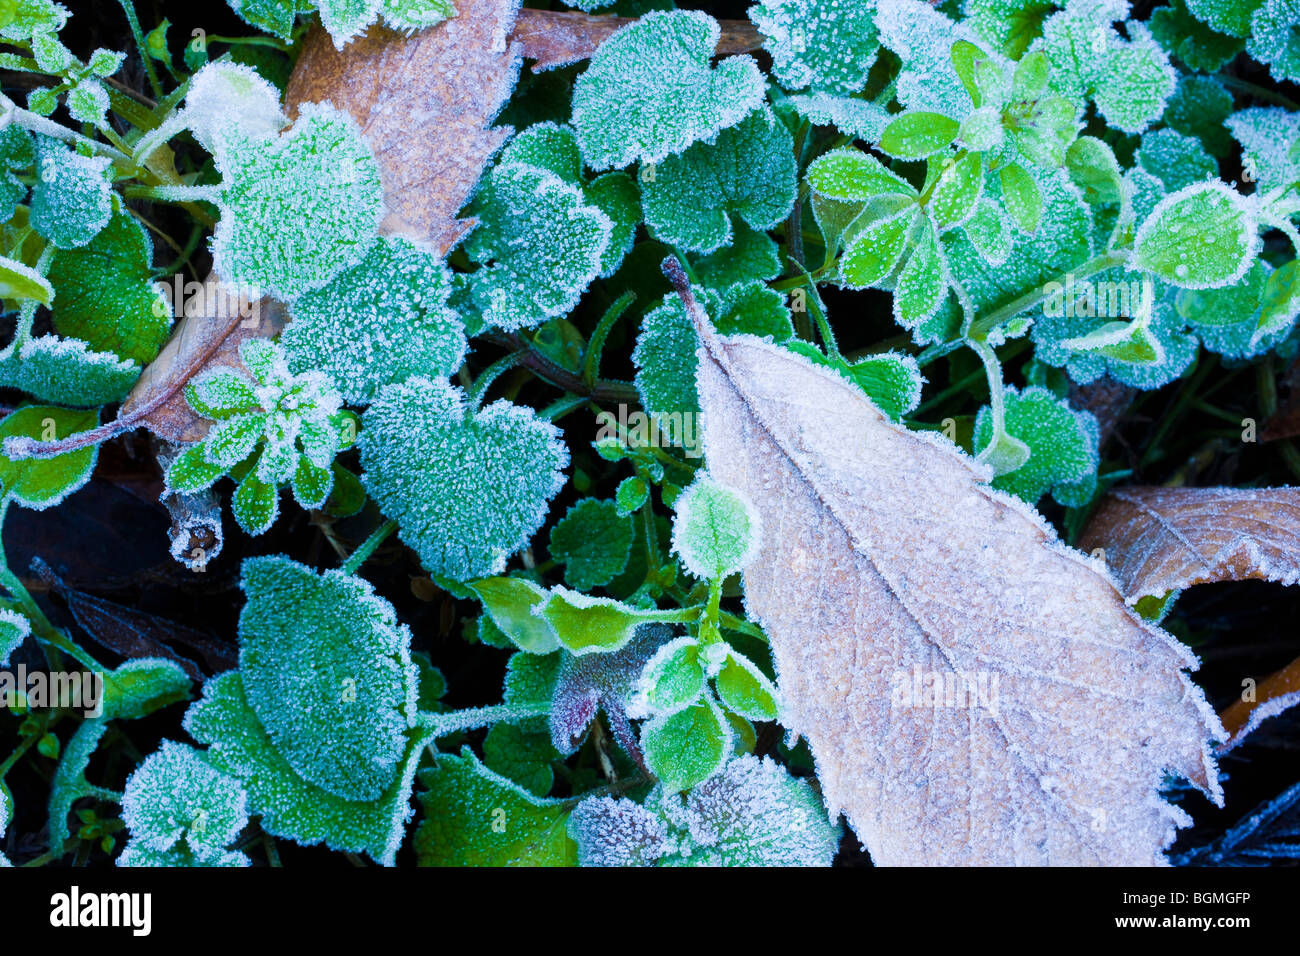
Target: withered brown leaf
point(1157, 540)
point(888, 568)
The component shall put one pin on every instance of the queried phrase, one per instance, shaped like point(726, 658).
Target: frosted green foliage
point(441, 468)
point(297, 208)
point(587, 683)
point(822, 44)
point(688, 746)
point(872, 254)
point(716, 532)
point(1145, 192)
point(522, 756)
point(923, 38)
point(1202, 236)
point(1266, 134)
point(28, 18)
point(665, 349)
point(583, 624)
point(41, 483)
point(593, 542)
point(631, 495)
point(1176, 159)
point(328, 671)
point(347, 19)
point(1195, 43)
point(273, 16)
point(72, 200)
point(752, 254)
point(287, 428)
point(17, 151)
point(1226, 319)
point(6, 814)
point(106, 296)
point(989, 231)
point(539, 245)
point(854, 176)
point(1275, 38)
point(649, 91)
point(1010, 25)
point(14, 629)
point(1199, 107)
point(411, 15)
point(133, 854)
point(891, 380)
point(1062, 443)
point(1227, 16)
point(229, 101)
point(743, 688)
point(511, 603)
point(69, 783)
point(65, 370)
point(378, 323)
point(748, 172)
point(553, 147)
point(176, 799)
point(474, 817)
point(857, 118)
point(88, 102)
point(672, 679)
point(754, 813)
point(290, 806)
point(142, 685)
point(916, 135)
point(1129, 79)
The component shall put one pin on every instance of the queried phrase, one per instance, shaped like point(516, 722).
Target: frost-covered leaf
point(891, 380)
point(327, 669)
point(105, 296)
point(440, 468)
point(857, 118)
point(923, 282)
point(989, 231)
point(6, 814)
point(1010, 25)
point(290, 806)
point(31, 18)
point(522, 756)
point(19, 281)
point(227, 102)
point(587, 683)
point(1199, 107)
point(923, 37)
point(297, 208)
point(688, 746)
point(583, 624)
point(1022, 198)
point(593, 542)
point(510, 604)
point(748, 172)
point(674, 677)
point(1265, 134)
point(1201, 237)
point(985, 800)
point(175, 798)
point(746, 690)
point(1199, 46)
point(752, 254)
point(66, 370)
point(1227, 16)
point(1158, 540)
point(822, 44)
point(142, 685)
point(273, 16)
point(1275, 40)
point(1177, 160)
point(649, 92)
point(14, 629)
point(474, 817)
point(378, 323)
point(918, 135)
point(854, 176)
point(873, 252)
point(539, 245)
point(1232, 320)
point(1062, 444)
point(72, 200)
point(40, 483)
point(715, 529)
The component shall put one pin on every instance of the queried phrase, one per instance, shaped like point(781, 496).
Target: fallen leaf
point(1158, 540)
point(425, 104)
point(888, 562)
point(555, 38)
point(1276, 693)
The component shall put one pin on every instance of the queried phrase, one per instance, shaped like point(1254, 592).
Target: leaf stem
point(367, 547)
point(980, 328)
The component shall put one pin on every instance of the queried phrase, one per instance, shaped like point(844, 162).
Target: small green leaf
point(745, 690)
point(18, 281)
point(716, 532)
point(1203, 236)
point(850, 174)
point(631, 495)
point(511, 603)
point(918, 135)
point(593, 542)
point(39, 483)
point(1022, 197)
point(688, 746)
point(587, 625)
point(674, 677)
point(143, 685)
point(923, 283)
point(873, 252)
point(255, 504)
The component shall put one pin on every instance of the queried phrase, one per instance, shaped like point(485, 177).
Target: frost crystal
point(1062, 444)
point(716, 531)
point(749, 172)
point(297, 208)
point(1176, 159)
point(175, 799)
point(378, 323)
point(443, 471)
point(1198, 108)
point(650, 92)
point(14, 629)
point(1275, 38)
point(227, 101)
point(856, 118)
point(1266, 134)
point(923, 38)
point(72, 200)
point(593, 543)
point(824, 44)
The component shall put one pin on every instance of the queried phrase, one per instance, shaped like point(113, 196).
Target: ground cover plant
point(448, 433)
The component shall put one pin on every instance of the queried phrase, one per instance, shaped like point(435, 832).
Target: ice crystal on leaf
point(1176, 159)
point(1202, 236)
point(749, 172)
point(593, 542)
point(822, 44)
point(228, 102)
point(923, 38)
point(1232, 320)
point(344, 20)
point(31, 18)
point(1062, 443)
point(271, 429)
point(687, 746)
point(649, 92)
point(327, 669)
point(299, 207)
point(1199, 107)
point(1266, 134)
point(539, 245)
point(1198, 45)
point(857, 118)
point(1226, 16)
point(6, 814)
point(751, 814)
point(378, 323)
point(715, 531)
point(65, 370)
point(176, 801)
point(586, 684)
point(14, 629)
point(441, 469)
point(72, 200)
point(41, 483)
point(1275, 38)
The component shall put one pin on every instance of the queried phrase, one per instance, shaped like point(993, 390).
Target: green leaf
point(628, 105)
point(511, 604)
point(18, 281)
point(439, 468)
point(745, 690)
point(1022, 197)
point(918, 135)
point(1196, 44)
point(716, 532)
point(850, 174)
point(1203, 236)
point(106, 296)
point(273, 16)
point(474, 817)
point(923, 283)
point(255, 505)
point(40, 483)
point(143, 685)
point(1062, 443)
point(1177, 160)
point(673, 678)
point(190, 471)
point(632, 493)
point(1093, 167)
point(14, 629)
point(688, 746)
point(873, 253)
point(72, 200)
point(521, 756)
point(593, 542)
point(1275, 40)
point(176, 798)
point(589, 625)
point(818, 44)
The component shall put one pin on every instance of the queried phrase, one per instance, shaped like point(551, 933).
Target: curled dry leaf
point(1157, 540)
point(425, 104)
point(555, 38)
point(1278, 692)
point(974, 692)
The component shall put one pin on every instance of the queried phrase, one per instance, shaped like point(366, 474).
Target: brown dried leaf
point(557, 38)
point(1158, 540)
point(424, 104)
point(1276, 693)
point(886, 557)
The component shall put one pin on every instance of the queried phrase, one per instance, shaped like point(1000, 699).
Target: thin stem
point(489, 375)
point(980, 328)
point(596, 344)
point(1259, 92)
point(604, 390)
point(138, 35)
point(367, 547)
